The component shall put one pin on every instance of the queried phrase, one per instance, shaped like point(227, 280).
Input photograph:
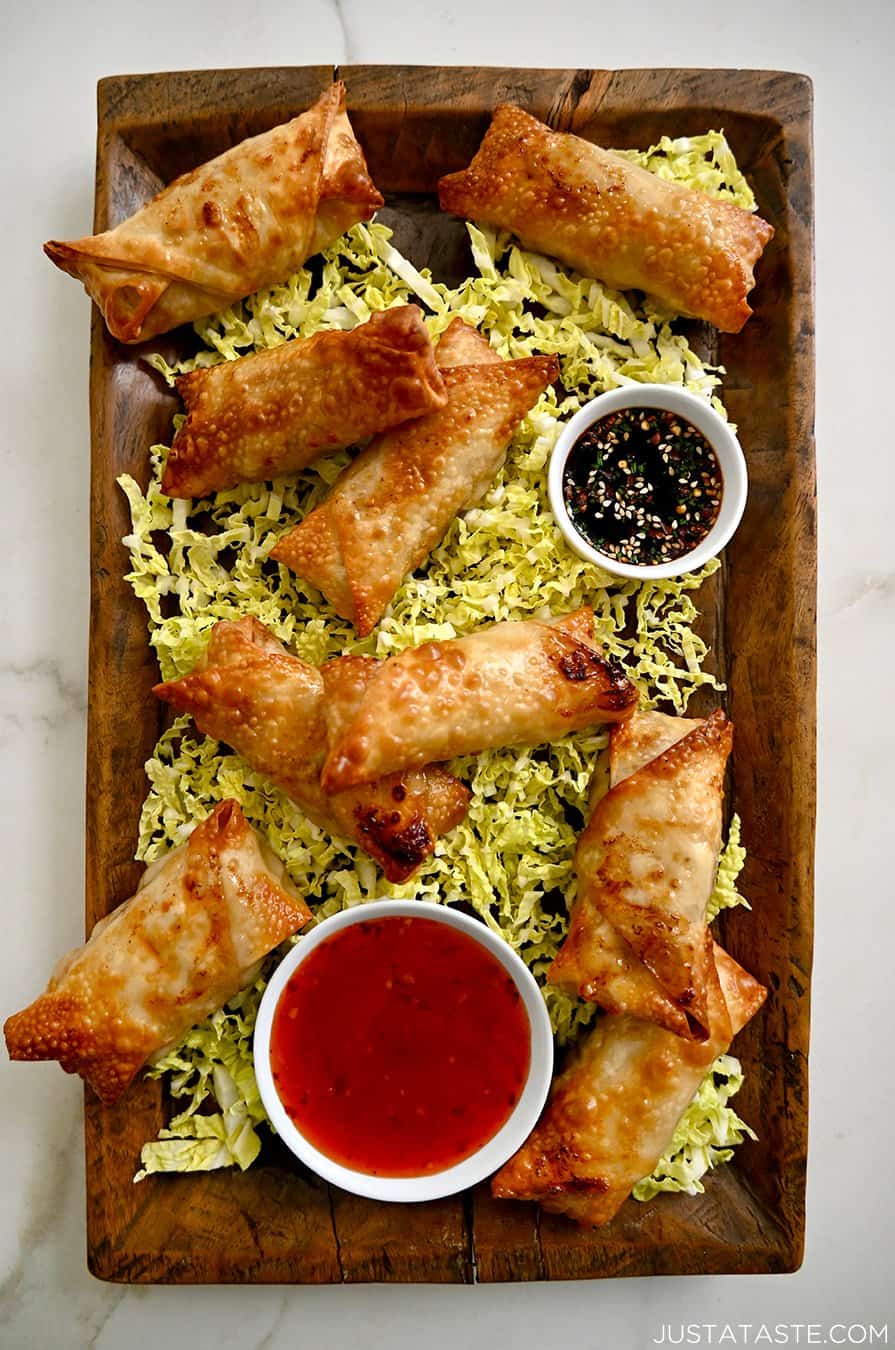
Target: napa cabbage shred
point(194, 563)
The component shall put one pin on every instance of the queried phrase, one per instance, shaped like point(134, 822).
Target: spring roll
point(512, 683)
point(646, 862)
point(395, 502)
point(611, 219)
point(613, 1109)
point(271, 707)
point(242, 221)
point(595, 963)
point(277, 411)
point(188, 940)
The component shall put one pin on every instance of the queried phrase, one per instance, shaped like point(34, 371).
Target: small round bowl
point(501, 1146)
point(718, 434)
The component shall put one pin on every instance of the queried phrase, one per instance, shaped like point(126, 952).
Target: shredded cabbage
point(705, 162)
point(213, 1062)
point(725, 895)
point(195, 563)
point(705, 1136)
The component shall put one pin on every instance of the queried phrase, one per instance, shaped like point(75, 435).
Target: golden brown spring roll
point(188, 940)
point(277, 411)
point(394, 503)
point(595, 963)
point(512, 683)
point(646, 862)
point(245, 220)
point(613, 1109)
point(271, 707)
point(611, 219)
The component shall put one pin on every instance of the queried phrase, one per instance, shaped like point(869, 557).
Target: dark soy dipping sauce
point(399, 1046)
point(643, 485)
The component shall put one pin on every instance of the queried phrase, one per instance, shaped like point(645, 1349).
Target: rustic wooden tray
point(277, 1222)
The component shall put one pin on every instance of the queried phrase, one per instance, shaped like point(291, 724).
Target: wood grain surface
point(277, 1222)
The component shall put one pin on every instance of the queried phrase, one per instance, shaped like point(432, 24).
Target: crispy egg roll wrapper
point(595, 963)
point(462, 345)
point(393, 505)
point(271, 708)
point(276, 411)
point(511, 683)
point(611, 219)
point(185, 943)
point(613, 1109)
point(646, 863)
point(247, 219)
point(645, 737)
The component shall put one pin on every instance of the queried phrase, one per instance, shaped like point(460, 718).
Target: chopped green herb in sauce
point(643, 485)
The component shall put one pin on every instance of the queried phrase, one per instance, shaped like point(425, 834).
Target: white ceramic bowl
point(498, 1148)
point(716, 431)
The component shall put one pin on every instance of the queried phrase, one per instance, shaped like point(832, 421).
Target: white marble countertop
point(55, 55)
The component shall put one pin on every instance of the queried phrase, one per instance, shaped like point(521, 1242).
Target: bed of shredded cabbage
point(193, 563)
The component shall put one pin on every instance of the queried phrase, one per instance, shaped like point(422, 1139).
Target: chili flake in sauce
point(643, 485)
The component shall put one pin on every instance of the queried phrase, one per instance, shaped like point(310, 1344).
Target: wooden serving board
point(277, 1222)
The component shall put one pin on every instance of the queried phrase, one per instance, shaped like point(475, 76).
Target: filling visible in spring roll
point(613, 1109)
point(242, 221)
point(513, 683)
point(277, 411)
point(273, 709)
point(638, 937)
point(188, 940)
point(611, 219)
point(394, 503)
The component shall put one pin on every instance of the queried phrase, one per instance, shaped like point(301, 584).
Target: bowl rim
point(495, 1151)
point(717, 432)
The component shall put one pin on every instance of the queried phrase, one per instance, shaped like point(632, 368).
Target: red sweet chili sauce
point(399, 1046)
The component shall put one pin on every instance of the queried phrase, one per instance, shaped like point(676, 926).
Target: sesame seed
point(651, 501)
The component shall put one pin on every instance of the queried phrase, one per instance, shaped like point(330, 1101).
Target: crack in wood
point(335, 1227)
point(471, 1269)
